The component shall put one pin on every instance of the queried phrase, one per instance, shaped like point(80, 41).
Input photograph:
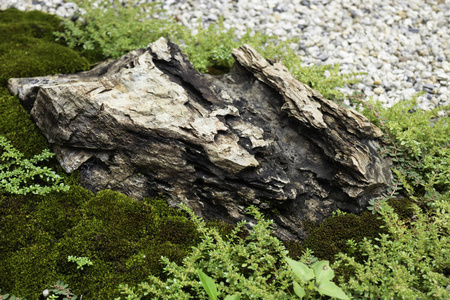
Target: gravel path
point(402, 45)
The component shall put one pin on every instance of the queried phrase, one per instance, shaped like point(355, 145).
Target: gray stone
point(149, 123)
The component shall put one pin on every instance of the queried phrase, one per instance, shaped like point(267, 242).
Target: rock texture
point(149, 123)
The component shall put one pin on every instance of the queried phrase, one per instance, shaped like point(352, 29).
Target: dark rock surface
point(149, 123)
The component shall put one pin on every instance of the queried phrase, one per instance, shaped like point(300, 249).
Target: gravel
point(402, 46)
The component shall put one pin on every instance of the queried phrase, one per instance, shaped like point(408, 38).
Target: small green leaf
point(208, 285)
point(299, 291)
point(329, 288)
point(322, 271)
point(300, 270)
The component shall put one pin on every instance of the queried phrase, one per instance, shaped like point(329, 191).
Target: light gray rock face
point(149, 123)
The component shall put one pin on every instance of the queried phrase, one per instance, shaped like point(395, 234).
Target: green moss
point(18, 127)
point(28, 48)
point(27, 256)
point(330, 237)
point(402, 207)
point(223, 228)
point(127, 237)
point(35, 23)
point(29, 58)
point(124, 239)
point(59, 212)
point(295, 248)
point(30, 269)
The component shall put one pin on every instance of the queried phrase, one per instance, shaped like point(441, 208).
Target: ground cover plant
point(256, 267)
point(124, 239)
point(411, 259)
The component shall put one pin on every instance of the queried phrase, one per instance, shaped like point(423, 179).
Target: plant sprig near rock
point(115, 28)
point(408, 262)
point(22, 176)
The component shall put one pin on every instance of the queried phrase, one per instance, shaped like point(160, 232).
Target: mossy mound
point(330, 237)
point(28, 47)
point(18, 127)
point(123, 238)
point(402, 207)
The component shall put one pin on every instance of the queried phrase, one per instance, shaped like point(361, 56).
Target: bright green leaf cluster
point(22, 176)
point(80, 261)
point(316, 279)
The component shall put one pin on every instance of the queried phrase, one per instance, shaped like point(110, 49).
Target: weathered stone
point(149, 123)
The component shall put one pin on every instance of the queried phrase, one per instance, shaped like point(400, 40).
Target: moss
point(27, 256)
point(30, 227)
point(124, 239)
point(330, 237)
point(29, 58)
point(18, 127)
point(295, 248)
point(222, 227)
point(28, 48)
point(177, 229)
point(59, 212)
point(38, 24)
point(402, 207)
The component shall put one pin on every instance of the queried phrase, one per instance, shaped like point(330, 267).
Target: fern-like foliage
point(23, 176)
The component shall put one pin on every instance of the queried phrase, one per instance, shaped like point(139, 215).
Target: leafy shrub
point(250, 268)
point(417, 141)
point(16, 172)
point(411, 259)
point(409, 262)
point(115, 28)
point(318, 279)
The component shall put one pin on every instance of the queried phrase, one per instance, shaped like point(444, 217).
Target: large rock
point(149, 123)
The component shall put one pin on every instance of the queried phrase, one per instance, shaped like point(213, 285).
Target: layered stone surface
point(149, 123)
